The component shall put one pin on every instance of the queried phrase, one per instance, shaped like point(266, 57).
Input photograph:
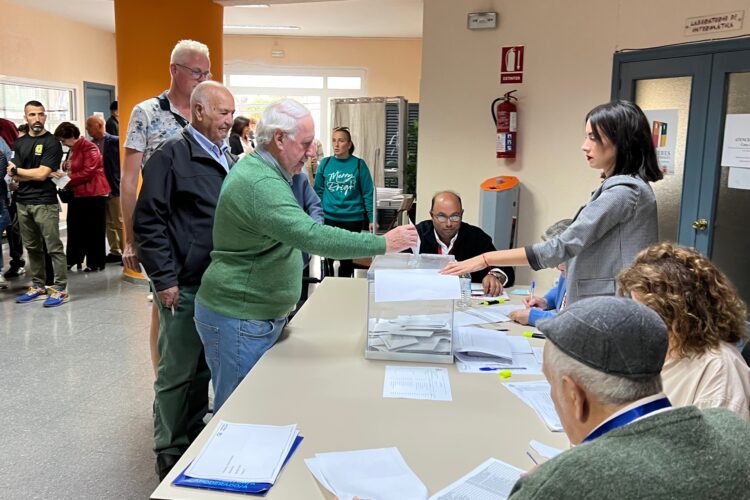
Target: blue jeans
point(4, 222)
point(232, 347)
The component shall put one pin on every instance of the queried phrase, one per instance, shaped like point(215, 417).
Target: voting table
point(317, 377)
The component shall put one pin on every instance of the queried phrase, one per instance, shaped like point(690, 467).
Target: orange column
point(146, 31)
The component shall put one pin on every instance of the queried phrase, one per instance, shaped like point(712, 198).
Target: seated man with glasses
point(446, 234)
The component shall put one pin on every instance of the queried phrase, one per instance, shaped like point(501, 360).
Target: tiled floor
point(77, 391)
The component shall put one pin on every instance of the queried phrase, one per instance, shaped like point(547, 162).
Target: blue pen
point(495, 368)
point(533, 285)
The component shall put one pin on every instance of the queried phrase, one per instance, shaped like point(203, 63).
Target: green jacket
point(259, 230)
point(678, 454)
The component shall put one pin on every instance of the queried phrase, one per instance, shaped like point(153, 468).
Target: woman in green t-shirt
point(344, 184)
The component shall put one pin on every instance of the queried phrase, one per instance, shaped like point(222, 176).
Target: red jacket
point(86, 170)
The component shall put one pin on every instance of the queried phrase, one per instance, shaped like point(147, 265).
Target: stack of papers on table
point(493, 480)
point(415, 334)
point(536, 395)
point(479, 350)
point(380, 474)
point(241, 457)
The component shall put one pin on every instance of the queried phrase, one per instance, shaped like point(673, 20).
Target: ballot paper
point(244, 453)
point(475, 341)
point(526, 360)
point(377, 474)
point(536, 395)
point(62, 181)
point(493, 480)
point(544, 450)
point(411, 382)
point(415, 248)
point(480, 315)
point(398, 285)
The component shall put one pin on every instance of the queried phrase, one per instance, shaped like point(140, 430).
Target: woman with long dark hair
point(617, 222)
point(87, 210)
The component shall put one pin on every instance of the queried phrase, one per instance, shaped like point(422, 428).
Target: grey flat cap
point(612, 335)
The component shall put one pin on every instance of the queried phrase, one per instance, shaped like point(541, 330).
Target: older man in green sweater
point(259, 235)
point(603, 360)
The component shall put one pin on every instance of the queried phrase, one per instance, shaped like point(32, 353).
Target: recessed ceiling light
point(258, 27)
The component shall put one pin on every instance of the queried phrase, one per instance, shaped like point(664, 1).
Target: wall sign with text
point(511, 64)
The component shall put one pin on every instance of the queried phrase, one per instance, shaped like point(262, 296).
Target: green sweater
point(345, 189)
point(678, 454)
point(259, 230)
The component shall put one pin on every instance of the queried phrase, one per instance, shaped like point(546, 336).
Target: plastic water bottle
point(465, 302)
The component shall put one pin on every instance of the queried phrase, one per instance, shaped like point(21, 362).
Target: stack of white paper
point(415, 334)
point(493, 480)
point(525, 360)
point(374, 474)
point(480, 315)
point(481, 342)
point(536, 395)
point(244, 453)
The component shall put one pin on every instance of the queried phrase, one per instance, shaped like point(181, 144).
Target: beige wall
point(393, 65)
point(568, 68)
point(66, 52)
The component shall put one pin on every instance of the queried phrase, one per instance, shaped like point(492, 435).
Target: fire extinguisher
point(506, 121)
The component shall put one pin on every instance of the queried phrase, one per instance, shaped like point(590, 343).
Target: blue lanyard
point(627, 417)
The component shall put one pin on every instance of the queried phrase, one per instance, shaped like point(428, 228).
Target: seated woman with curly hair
point(705, 318)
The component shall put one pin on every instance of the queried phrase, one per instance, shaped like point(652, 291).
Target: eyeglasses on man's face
point(196, 73)
point(445, 218)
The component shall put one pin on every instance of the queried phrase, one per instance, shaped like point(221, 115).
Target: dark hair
point(23, 128)
point(345, 130)
point(113, 106)
point(35, 104)
point(67, 130)
point(239, 125)
point(627, 128)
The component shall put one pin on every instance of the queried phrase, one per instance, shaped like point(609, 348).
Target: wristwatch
point(500, 275)
point(13, 170)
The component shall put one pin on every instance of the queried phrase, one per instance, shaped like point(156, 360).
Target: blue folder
point(258, 489)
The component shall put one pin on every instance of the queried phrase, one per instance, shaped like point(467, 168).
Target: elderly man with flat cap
point(603, 361)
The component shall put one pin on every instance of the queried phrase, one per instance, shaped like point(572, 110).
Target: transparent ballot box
point(410, 308)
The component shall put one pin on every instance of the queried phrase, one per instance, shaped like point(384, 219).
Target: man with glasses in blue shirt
point(445, 233)
point(152, 122)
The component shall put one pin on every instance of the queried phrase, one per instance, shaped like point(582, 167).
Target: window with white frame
point(256, 86)
point(59, 100)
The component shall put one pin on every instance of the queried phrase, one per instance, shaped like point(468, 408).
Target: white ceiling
point(347, 18)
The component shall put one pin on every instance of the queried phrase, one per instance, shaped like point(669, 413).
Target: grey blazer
point(618, 222)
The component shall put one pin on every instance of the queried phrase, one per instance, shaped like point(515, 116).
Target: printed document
point(244, 453)
point(374, 474)
point(536, 395)
point(493, 480)
point(417, 383)
point(480, 315)
point(398, 285)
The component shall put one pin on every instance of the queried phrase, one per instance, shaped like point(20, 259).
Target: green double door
point(690, 91)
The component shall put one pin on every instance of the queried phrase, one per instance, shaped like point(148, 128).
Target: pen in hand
point(533, 285)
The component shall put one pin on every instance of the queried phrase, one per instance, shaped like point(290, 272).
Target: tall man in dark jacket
point(445, 233)
point(109, 146)
point(172, 224)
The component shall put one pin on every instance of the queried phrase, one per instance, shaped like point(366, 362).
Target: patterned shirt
point(150, 125)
